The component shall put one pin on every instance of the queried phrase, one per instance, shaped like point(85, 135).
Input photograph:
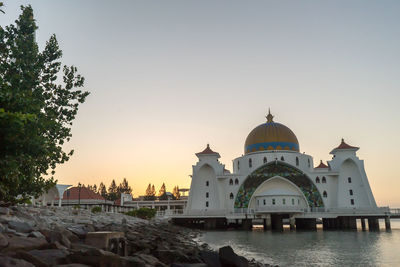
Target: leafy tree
point(124, 187)
point(162, 190)
point(150, 193)
point(103, 190)
point(36, 110)
point(113, 191)
point(176, 192)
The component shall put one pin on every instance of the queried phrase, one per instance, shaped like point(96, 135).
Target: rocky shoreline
point(43, 236)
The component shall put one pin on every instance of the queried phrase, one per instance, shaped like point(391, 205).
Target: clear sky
point(167, 77)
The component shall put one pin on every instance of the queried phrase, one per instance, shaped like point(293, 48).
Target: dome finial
point(269, 116)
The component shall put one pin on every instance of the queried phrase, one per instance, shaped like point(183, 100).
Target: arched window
point(284, 201)
point(207, 183)
point(349, 180)
point(297, 161)
point(292, 201)
point(206, 203)
point(207, 195)
point(351, 192)
point(236, 181)
point(308, 163)
point(265, 160)
point(264, 202)
point(325, 194)
point(282, 158)
point(238, 165)
point(230, 182)
point(250, 163)
point(317, 180)
point(231, 196)
point(273, 201)
point(323, 180)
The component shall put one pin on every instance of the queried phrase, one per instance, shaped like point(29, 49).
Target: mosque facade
point(273, 177)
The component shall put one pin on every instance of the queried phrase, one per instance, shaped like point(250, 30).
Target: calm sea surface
point(313, 248)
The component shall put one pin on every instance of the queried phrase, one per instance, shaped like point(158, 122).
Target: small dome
point(271, 136)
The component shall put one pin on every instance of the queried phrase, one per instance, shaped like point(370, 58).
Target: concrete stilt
point(277, 223)
point(306, 224)
point(292, 222)
point(268, 222)
point(373, 224)
point(363, 226)
point(387, 223)
point(247, 224)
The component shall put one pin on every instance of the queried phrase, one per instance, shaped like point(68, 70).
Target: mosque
point(273, 181)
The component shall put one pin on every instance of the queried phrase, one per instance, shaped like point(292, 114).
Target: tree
point(176, 192)
point(124, 187)
point(113, 191)
point(94, 188)
point(36, 110)
point(1, 5)
point(150, 193)
point(103, 190)
point(162, 190)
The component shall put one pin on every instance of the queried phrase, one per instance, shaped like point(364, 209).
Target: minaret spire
point(269, 116)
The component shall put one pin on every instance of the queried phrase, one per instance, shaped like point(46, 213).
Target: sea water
point(313, 248)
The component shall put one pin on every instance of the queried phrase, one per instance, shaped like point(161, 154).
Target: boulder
point(78, 230)
point(95, 257)
point(12, 262)
point(2, 228)
point(132, 261)
point(228, 258)
point(16, 243)
point(21, 227)
point(211, 258)
point(73, 265)
point(3, 241)
point(190, 265)
point(150, 260)
point(171, 256)
point(36, 234)
point(46, 257)
point(4, 210)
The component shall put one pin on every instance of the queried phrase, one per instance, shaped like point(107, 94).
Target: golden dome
point(271, 136)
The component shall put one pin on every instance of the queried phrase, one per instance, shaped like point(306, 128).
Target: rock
point(36, 234)
point(11, 262)
point(150, 260)
point(211, 258)
point(95, 257)
point(4, 210)
point(21, 227)
point(47, 257)
point(190, 265)
point(132, 261)
point(228, 258)
point(78, 230)
point(2, 228)
point(3, 241)
point(24, 243)
point(73, 265)
point(171, 256)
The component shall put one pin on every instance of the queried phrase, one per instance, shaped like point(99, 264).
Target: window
point(273, 201)
point(298, 201)
point(207, 183)
point(236, 181)
point(352, 201)
point(351, 192)
point(265, 160)
point(207, 194)
point(349, 180)
point(308, 163)
point(282, 158)
point(231, 196)
point(317, 180)
point(292, 201)
point(284, 201)
point(238, 165)
point(325, 194)
point(258, 202)
point(297, 161)
point(323, 180)
point(250, 163)
point(207, 204)
point(264, 202)
point(230, 182)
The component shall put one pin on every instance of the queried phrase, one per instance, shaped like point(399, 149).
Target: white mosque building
point(273, 178)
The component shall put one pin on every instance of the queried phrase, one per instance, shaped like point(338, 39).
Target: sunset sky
point(168, 77)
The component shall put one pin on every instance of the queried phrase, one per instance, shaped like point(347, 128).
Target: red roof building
point(322, 166)
point(85, 193)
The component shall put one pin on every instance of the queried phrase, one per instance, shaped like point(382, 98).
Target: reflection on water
point(317, 248)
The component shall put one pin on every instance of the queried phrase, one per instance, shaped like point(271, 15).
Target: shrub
point(76, 207)
point(143, 213)
point(96, 209)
